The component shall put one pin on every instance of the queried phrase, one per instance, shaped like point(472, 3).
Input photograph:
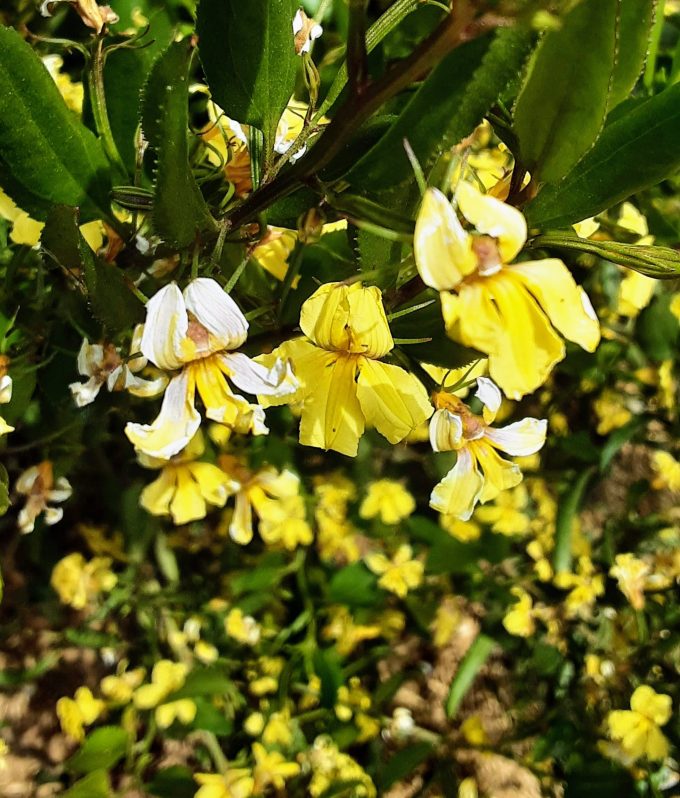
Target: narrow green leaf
point(636, 20)
point(472, 663)
point(248, 55)
point(634, 152)
point(180, 213)
point(404, 762)
point(94, 785)
point(327, 667)
point(48, 156)
point(617, 439)
point(450, 103)
point(102, 749)
point(563, 103)
point(566, 513)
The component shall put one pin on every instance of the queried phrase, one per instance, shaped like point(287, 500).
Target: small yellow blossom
point(166, 677)
point(519, 620)
point(507, 514)
point(271, 768)
point(611, 411)
point(336, 537)
point(79, 581)
point(330, 766)
point(399, 574)
point(668, 471)
point(344, 383)
point(205, 652)
point(585, 586)
point(447, 620)
point(348, 634)
point(638, 729)
point(464, 531)
point(183, 711)
point(633, 577)
point(120, 688)
point(235, 783)
point(278, 730)
point(472, 729)
point(264, 679)
point(77, 712)
point(254, 724)
point(243, 628)
point(389, 500)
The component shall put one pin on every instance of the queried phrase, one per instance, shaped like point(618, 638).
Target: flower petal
point(255, 378)
point(565, 303)
point(165, 328)
point(214, 484)
point(241, 526)
point(460, 489)
point(520, 439)
point(442, 248)
point(392, 400)
point(489, 395)
point(188, 503)
point(446, 431)
point(175, 425)
point(494, 218)
point(221, 404)
point(217, 312)
point(499, 474)
point(84, 393)
point(156, 497)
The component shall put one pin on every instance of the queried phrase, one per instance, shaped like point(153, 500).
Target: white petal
point(53, 515)
point(145, 388)
point(61, 492)
point(490, 396)
point(26, 480)
point(165, 328)
point(255, 378)
point(459, 491)
point(84, 393)
point(297, 22)
point(175, 425)
point(446, 431)
point(90, 358)
point(5, 389)
point(217, 312)
point(519, 439)
point(139, 362)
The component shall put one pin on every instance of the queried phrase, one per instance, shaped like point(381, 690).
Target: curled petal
point(138, 386)
point(442, 248)
point(446, 431)
point(84, 393)
point(489, 395)
point(90, 358)
point(392, 400)
point(458, 493)
point(494, 218)
point(175, 425)
point(165, 328)
point(5, 389)
point(217, 312)
point(255, 378)
point(520, 439)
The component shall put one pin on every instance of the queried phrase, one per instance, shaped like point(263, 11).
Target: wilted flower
point(305, 31)
point(92, 15)
point(5, 397)
point(503, 309)
point(37, 483)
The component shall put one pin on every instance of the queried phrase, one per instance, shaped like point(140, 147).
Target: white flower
point(195, 333)
point(38, 485)
point(5, 397)
point(305, 31)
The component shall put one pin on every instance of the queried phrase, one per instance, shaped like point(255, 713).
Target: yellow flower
point(480, 473)
point(667, 386)
point(78, 581)
point(77, 712)
point(398, 575)
point(347, 634)
point(278, 730)
point(182, 710)
point(235, 783)
point(611, 411)
point(337, 539)
point(265, 679)
point(632, 575)
point(519, 620)
point(71, 91)
point(243, 628)
point(668, 472)
point(637, 729)
point(271, 768)
point(473, 731)
point(465, 531)
point(185, 486)
point(166, 677)
point(120, 688)
point(509, 311)
point(195, 333)
point(507, 515)
point(446, 622)
point(674, 306)
point(330, 767)
point(585, 586)
point(388, 499)
point(468, 788)
point(272, 251)
point(344, 384)
point(635, 293)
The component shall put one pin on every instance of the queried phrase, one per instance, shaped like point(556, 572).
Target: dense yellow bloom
point(507, 514)
point(519, 620)
point(235, 783)
point(120, 688)
point(585, 586)
point(243, 628)
point(389, 500)
point(166, 678)
point(638, 729)
point(77, 712)
point(195, 333)
point(78, 581)
point(635, 576)
point(344, 384)
point(336, 539)
point(399, 574)
point(509, 311)
point(346, 633)
point(480, 473)
point(185, 487)
point(330, 766)
point(264, 679)
point(668, 472)
point(271, 768)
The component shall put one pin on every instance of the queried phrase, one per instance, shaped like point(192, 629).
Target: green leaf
point(102, 749)
point(173, 782)
point(94, 785)
point(210, 718)
point(327, 667)
point(617, 439)
point(658, 330)
point(472, 663)
point(179, 213)
point(4, 499)
point(636, 20)
point(401, 764)
point(450, 103)
point(248, 55)
point(637, 150)
point(203, 681)
point(563, 103)
point(568, 508)
point(354, 585)
point(48, 155)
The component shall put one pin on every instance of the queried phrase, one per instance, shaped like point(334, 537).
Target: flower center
point(488, 257)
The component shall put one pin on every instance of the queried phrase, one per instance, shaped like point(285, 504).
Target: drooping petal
point(255, 378)
point(241, 526)
point(304, 357)
point(5, 389)
point(392, 400)
point(156, 497)
point(460, 489)
point(215, 310)
point(499, 474)
point(214, 484)
point(446, 431)
point(84, 393)
point(442, 248)
point(138, 386)
point(90, 358)
point(175, 425)
point(565, 303)
point(165, 328)
point(221, 404)
point(494, 218)
point(331, 415)
point(188, 503)
point(520, 439)
point(488, 394)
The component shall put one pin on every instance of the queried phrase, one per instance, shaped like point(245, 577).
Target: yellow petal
point(26, 230)
point(392, 400)
point(188, 503)
point(442, 248)
point(460, 489)
point(655, 706)
point(241, 526)
point(331, 414)
point(446, 431)
point(215, 486)
point(304, 357)
point(156, 497)
point(221, 404)
point(499, 474)
point(565, 303)
point(657, 745)
point(493, 218)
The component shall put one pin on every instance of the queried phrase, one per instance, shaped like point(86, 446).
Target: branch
point(357, 57)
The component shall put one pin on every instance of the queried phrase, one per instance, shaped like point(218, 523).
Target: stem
point(98, 99)
point(211, 742)
point(358, 108)
point(291, 273)
point(357, 61)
